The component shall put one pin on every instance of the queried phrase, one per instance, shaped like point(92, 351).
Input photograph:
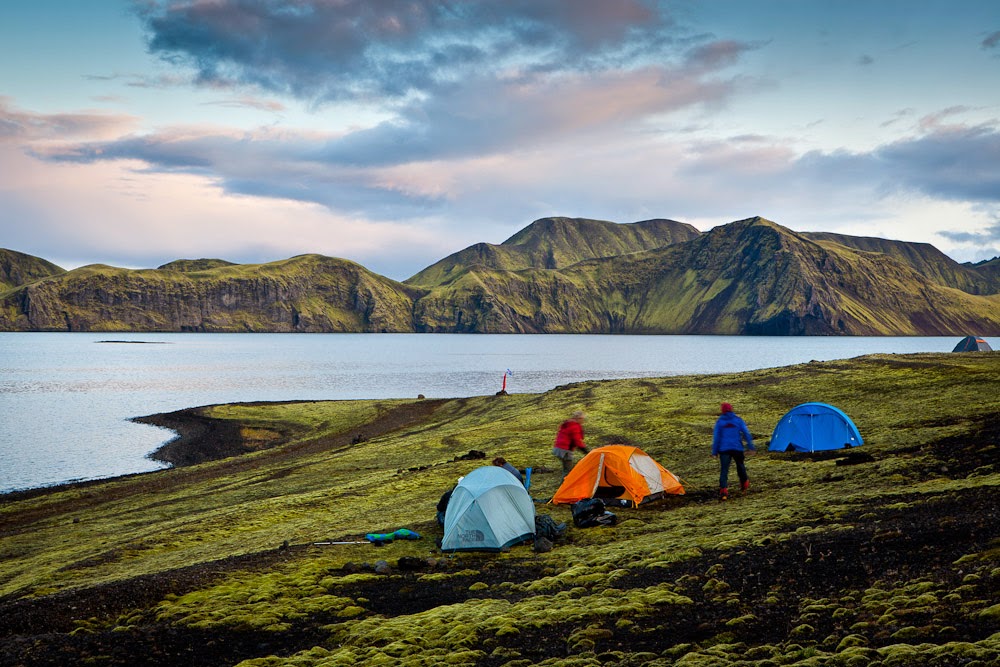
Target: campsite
point(260, 559)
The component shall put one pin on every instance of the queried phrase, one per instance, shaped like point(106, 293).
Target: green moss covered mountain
point(17, 268)
point(304, 293)
point(558, 275)
point(555, 243)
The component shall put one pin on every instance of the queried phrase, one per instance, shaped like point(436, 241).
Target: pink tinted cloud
point(18, 125)
point(586, 102)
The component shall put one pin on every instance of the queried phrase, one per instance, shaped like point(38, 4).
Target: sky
point(395, 132)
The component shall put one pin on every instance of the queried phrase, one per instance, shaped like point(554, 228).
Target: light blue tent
point(488, 510)
point(814, 427)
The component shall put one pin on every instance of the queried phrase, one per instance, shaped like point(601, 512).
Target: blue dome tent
point(814, 427)
point(972, 344)
point(488, 510)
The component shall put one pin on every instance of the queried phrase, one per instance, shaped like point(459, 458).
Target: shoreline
point(198, 438)
point(192, 431)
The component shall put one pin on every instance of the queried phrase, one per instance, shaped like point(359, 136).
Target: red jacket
point(570, 435)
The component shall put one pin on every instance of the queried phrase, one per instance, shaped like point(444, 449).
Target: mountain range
point(557, 275)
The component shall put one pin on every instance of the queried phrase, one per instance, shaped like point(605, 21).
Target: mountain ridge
point(923, 256)
point(750, 276)
point(557, 242)
point(18, 268)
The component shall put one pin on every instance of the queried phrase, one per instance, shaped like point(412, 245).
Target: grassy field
point(891, 561)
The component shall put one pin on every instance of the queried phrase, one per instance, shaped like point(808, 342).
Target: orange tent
point(617, 471)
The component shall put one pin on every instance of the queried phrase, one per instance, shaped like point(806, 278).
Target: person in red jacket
point(568, 439)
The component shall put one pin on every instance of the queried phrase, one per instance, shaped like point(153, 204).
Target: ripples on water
point(65, 398)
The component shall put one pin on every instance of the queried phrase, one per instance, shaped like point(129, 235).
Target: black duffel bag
point(591, 512)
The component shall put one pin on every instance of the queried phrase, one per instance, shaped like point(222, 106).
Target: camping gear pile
point(591, 512)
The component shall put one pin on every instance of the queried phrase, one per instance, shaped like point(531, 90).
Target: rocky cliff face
point(302, 294)
point(748, 277)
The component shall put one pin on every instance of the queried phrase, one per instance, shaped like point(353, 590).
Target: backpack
point(442, 507)
point(591, 512)
point(545, 526)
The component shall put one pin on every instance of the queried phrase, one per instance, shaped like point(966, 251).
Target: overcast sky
point(394, 132)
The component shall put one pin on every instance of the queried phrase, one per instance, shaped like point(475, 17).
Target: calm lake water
point(65, 398)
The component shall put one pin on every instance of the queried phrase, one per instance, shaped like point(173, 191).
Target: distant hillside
point(17, 268)
point(747, 277)
point(192, 265)
point(922, 257)
point(308, 293)
point(555, 243)
point(752, 276)
point(989, 268)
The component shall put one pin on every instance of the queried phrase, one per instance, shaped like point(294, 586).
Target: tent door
point(597, 477)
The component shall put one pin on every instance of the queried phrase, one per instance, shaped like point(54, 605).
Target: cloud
point(718, 54)
point(149, 81)
point(396, 173)
point(490, 116)
point(346, 172)
point(902, 114)
point(989, 235)
point(355, 49)
point(454, 79)
point(944, 161)
point(936, 120)
point(991, 41)
point(957, 163)
point(23, 126)
point(530, 107)
point(247, 102)
point(120, 213)
point(866, 60)
point(264, 163)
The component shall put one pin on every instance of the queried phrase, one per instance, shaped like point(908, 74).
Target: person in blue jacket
point(727, 444)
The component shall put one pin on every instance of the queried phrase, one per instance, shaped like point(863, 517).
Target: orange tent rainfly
point(617, 471)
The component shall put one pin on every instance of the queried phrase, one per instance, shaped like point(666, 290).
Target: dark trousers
point(566, 457)
point(724, 460)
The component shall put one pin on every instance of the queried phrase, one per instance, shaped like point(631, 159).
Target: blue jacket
point(729, 434)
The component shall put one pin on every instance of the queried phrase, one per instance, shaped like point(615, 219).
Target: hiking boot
point(723, 494)
point(745, 486)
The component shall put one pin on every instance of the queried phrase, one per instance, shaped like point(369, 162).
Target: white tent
point(488, 510)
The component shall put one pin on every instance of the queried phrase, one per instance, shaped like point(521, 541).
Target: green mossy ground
point(891, 560)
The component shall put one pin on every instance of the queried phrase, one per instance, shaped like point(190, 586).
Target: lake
point(66, 398)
